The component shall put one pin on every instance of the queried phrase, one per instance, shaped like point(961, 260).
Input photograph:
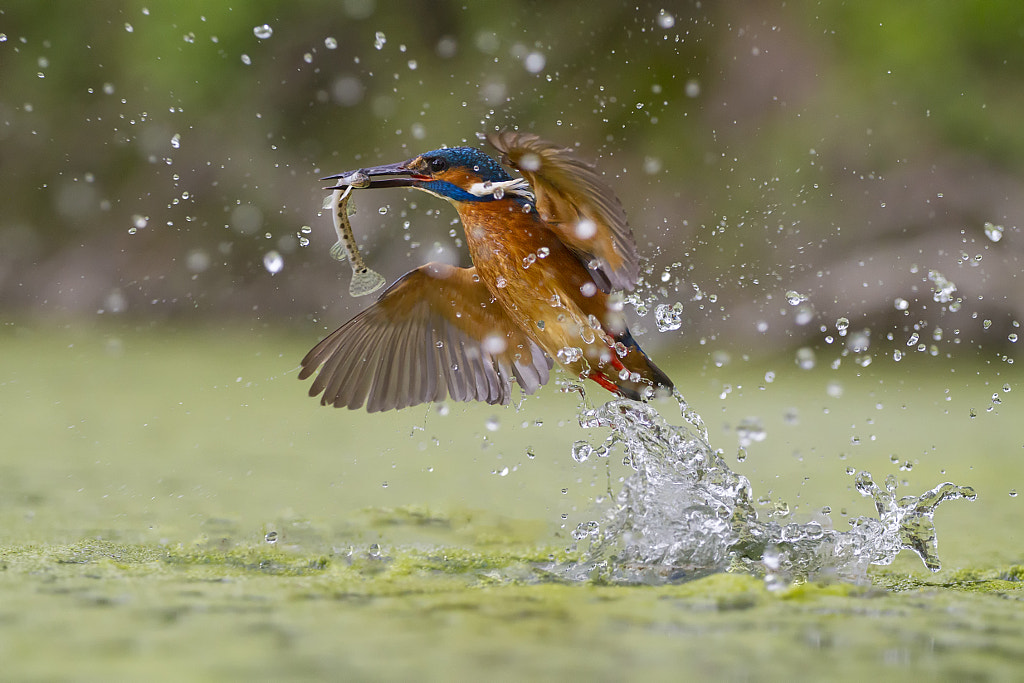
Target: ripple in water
point(684, 514)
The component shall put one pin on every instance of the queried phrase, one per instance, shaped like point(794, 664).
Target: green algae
point(136, 504)
point(442, 613)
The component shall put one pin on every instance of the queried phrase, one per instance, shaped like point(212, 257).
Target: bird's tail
point(643, 373)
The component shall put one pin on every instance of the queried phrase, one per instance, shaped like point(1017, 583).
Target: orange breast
point(540, 283)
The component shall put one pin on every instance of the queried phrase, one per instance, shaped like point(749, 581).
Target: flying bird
point(548, 249)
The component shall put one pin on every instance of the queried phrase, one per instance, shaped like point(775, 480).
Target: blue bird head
point(452, 173)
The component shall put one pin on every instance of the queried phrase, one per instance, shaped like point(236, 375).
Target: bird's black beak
point(389, 175)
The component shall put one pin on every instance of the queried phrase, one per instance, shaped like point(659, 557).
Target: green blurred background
point(784, 166)
point(153, 154)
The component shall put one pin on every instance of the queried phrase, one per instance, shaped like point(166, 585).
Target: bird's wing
point(573, 199)
point(436, 332)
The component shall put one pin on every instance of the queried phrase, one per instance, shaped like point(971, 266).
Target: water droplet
point(379, 40)
point(750, 430)
point(942, 288)
point(535, 62)
point(806, 358)
point(383, 210)
point(271, 537)
point(666, 20)
point(198, 261)
point(586, 228)
point(176, 141)
point(569, 354)
point(993, 232)
point(794, 297)
point(331, 43)
point(273, 262)
point(901, 304)
point(246, 59)
point(492, 423)
point(668, 317)
point(581, 451)
point(263, 32)
point(842, 324)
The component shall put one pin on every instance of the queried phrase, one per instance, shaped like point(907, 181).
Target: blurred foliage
point(152, 154)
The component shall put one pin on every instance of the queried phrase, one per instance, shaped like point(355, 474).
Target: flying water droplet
point(569, 354)
point(581, 451)
point(749, 431)
point(668, 317)
point(993, 232)
point(795, 298)
point(805, 358)
point(379, 40)
point(273, 262)
point(263, 31)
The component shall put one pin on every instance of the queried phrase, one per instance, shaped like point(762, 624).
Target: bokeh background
point(786, 163)
point(828, 197)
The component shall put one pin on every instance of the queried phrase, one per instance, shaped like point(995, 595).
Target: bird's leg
point(615, 361)
point(604, 382)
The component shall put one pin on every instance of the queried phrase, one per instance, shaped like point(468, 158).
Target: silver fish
point(364, 280)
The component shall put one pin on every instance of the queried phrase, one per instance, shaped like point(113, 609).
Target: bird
point(549, 250)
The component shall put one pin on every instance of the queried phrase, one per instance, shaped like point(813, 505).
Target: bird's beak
point(389, 175)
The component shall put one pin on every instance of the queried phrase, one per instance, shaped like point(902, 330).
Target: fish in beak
point(389, 175)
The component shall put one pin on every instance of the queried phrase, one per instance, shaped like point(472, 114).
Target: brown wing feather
point(566, 190)
point(423, 340)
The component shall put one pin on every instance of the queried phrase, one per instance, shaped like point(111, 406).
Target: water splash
point(684, 513)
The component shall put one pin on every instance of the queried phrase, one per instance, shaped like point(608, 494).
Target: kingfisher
point(549, 251)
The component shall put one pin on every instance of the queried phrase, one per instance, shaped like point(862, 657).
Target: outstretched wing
point(436, 332)
point(577, 204)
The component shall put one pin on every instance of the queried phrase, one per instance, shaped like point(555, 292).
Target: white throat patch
point(517, 186)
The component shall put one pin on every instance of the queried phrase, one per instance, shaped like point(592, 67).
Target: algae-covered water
point(173, 506)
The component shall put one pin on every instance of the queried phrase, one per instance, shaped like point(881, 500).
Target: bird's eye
point(437, 165)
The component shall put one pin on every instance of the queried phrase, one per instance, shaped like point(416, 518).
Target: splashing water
point(684, 513)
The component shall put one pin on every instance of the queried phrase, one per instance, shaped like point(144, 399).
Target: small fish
point(364, 280)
